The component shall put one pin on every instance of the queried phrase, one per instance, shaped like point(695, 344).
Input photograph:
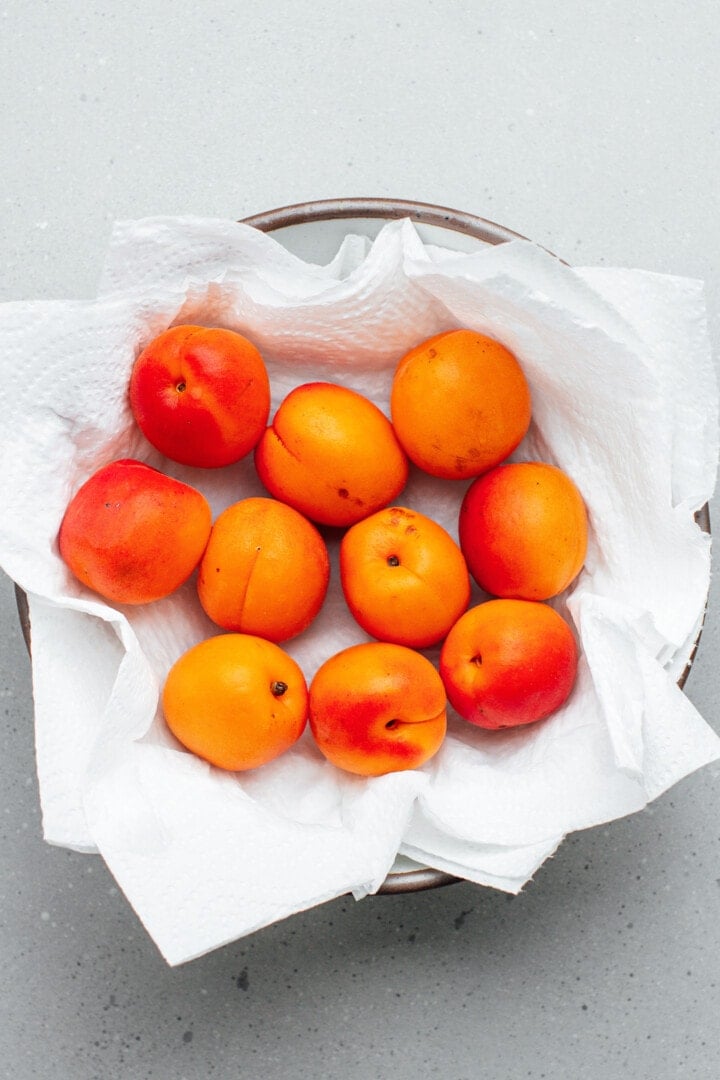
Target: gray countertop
point(592, 129)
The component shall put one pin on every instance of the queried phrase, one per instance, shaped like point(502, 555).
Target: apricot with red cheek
point(507, 663)
point(201, 395)
point(133, 534)
point(523, 530)
point(377, 708)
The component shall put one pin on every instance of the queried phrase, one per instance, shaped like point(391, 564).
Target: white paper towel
point(624, 399)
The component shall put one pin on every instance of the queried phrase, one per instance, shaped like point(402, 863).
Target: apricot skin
point(508, 663)
point(460, 404)
point(404, 577)
point(331, 454)
point(236, 700)
point(377, 708)
point(201, 395)
point(133, 534)
point(523, 530)
point(265, 570)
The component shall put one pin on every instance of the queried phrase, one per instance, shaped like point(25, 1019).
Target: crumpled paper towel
point(624, 399)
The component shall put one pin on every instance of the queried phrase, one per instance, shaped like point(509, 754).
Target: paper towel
point(624, 399)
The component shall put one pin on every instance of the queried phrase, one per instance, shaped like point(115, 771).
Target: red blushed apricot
point(201, 395)
point(523, 530)
point(132, 534)
point(377, 708)
point(508, 662)
point(404, 577)
point(331, 454)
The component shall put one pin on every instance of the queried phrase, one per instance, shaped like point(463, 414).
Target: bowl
point(314, 231)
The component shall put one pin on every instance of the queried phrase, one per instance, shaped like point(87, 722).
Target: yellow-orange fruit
point(265, 570)
point(236, 700)
point(460, 404)
point(331, 454)
point(404, 577)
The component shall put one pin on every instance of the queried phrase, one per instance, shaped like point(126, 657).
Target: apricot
point(460, 404)
point(132, 534)
point(265, 570)
point(507, 663)
point(404, 578)
point(236, 700)
point(377, 708)
point(523, 530)
point(331, 454)
point(201, 395)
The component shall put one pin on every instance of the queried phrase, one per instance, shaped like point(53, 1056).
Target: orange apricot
point(133, 534)
point(331, 454)
point(460, 404)
point(236, 700)
point(377, 708)
point(265, 570)
point(404, 578)
point(523, 530)
point(201, 395)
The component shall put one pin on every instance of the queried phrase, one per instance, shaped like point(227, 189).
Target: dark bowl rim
point(444, 217)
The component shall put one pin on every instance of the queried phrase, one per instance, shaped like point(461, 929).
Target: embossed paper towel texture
point(624, 399)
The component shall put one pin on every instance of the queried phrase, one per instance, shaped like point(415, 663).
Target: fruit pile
point(332, 460)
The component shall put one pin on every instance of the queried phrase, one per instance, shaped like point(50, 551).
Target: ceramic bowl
point(314, 231)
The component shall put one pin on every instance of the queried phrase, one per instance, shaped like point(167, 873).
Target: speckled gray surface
point(591, 129)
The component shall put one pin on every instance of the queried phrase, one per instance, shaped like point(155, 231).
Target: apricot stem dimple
point(181, 387)
point(392, 724)
point(278, 688)
point(393, 560)
point(476, 660)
